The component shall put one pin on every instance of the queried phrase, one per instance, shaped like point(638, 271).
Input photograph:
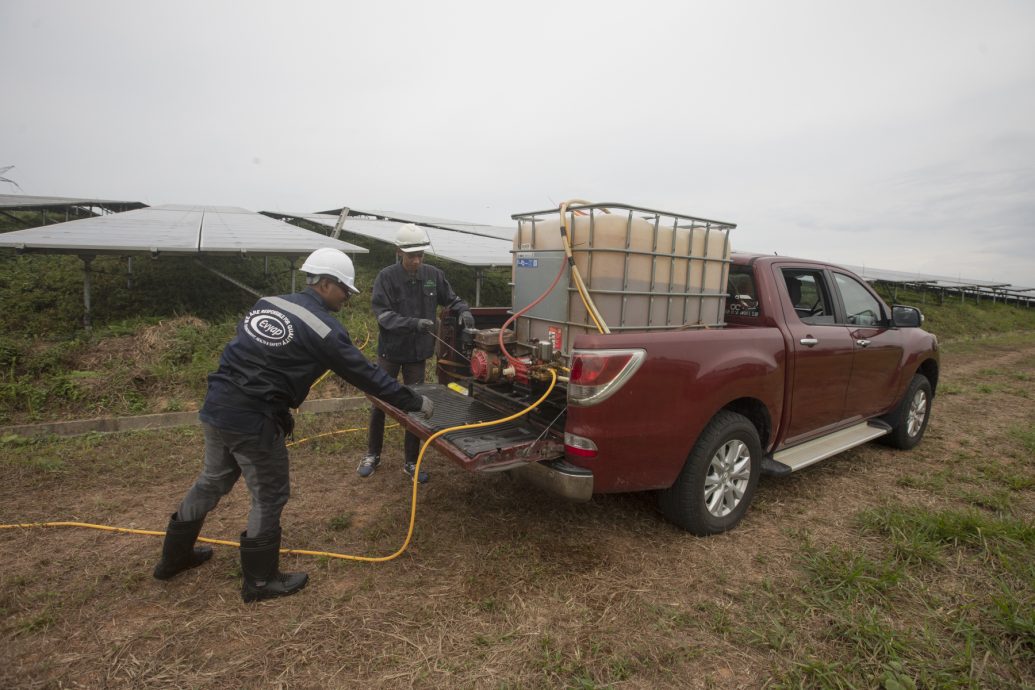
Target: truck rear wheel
point(718, 480)
point(909, 421)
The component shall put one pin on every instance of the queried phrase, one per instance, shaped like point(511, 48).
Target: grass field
point(877, 568)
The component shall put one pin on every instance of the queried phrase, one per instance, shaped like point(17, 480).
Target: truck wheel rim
point(917, 413)
point(727, 478)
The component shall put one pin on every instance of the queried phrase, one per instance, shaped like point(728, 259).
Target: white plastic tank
point(643, 269)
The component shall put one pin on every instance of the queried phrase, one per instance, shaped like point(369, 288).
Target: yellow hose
point(332, 433)
point(416, 473)
point(107, 528)
point(327, 554)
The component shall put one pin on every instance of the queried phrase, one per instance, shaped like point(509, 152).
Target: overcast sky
point(898, 135)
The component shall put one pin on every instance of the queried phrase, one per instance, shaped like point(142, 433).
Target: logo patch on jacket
point(269, 327)
point(429, 284)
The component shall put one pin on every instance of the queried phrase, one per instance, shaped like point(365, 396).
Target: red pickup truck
point(810, 362)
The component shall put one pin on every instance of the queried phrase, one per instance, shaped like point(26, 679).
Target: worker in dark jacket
point(405, 298)
point(282, 346)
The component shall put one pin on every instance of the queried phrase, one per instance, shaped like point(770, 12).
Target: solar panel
point(16, 201)
point(935, 280)
point(499, 232)
point(175, 229)
point(471, 250)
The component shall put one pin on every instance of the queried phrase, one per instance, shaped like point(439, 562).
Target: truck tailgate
point(486, 449)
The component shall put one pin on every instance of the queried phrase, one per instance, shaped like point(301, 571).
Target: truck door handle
point(862, 342)
point(809, 341)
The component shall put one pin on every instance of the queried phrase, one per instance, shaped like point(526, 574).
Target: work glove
point(427, 408)
point(467, 319)
point(425, 325)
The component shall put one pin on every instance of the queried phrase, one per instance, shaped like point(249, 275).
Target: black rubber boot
point(260, 566)
point(178, 551)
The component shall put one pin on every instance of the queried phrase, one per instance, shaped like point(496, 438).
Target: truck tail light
point(597, 374)
point(579, 446)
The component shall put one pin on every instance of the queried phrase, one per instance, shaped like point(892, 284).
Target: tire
point(909, 421)
point(718, 480)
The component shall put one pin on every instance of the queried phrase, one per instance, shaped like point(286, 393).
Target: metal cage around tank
point(645, 270)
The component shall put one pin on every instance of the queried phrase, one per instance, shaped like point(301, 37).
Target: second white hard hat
point(412, 238)
point(334, 263)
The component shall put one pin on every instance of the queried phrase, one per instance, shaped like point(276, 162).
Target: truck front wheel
point(909, 422)
point(718, 480)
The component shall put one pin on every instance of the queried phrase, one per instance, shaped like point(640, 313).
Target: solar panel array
point(175, 229)
point(479, 251)
point(28, 202)
point(499, 232)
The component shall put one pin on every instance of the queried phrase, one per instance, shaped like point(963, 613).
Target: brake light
point(597, 374)
point(579, 446)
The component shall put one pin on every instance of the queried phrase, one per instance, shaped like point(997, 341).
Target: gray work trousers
point(412, 373)
point(263, 460)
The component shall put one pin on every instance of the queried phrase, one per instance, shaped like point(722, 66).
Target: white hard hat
point(334, 263)
point(412, 238)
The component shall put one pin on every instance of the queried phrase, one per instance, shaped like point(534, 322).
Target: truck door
point(878, 348)
point(822, 352)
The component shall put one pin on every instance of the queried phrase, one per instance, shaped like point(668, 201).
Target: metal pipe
point(87, 320)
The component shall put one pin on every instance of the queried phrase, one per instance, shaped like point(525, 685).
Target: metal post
point(292, 260)
point(625, 270)
point(477, 287)
point(87, 258)
point(129, 272)
point(653, 271)
point(340, 224)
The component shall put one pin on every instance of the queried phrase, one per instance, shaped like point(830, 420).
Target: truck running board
point(797, 457)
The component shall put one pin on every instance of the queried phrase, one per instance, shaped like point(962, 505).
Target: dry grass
point(506, 587)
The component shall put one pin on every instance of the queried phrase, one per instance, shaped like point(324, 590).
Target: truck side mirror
point(906, 317)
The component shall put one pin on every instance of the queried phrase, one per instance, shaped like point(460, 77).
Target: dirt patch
point(502, 586)
point(143, 348)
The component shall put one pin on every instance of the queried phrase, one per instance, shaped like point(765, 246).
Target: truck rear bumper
point(559, 477)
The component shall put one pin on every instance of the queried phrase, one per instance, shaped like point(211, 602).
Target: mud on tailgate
point(491, 448)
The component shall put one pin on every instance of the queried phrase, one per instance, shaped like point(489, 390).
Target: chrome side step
point(797, 457)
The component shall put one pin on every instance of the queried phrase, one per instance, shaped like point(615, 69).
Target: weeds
point(840, 574)
point(949, 527)
point(1025, 435)
point(341, 522)
point(1012, 611)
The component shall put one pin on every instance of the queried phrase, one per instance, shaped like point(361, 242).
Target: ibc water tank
point(643, 269)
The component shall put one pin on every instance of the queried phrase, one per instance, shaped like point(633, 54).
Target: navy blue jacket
point(282, 346)
point(400, 300)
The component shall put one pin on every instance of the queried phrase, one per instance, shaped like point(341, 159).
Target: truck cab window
point(861, 307)
point(808, 295)
point(740, 288)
